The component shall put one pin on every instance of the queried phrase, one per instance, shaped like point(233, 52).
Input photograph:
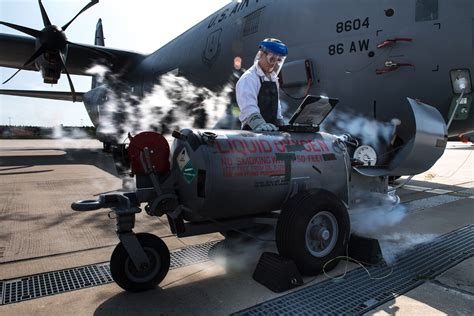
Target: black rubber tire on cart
point(128, 277)
point(312, 229)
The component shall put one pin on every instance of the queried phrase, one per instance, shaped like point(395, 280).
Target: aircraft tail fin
point(98, 41)
point(99, 34)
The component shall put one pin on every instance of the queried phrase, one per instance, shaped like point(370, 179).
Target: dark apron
point(267, 102)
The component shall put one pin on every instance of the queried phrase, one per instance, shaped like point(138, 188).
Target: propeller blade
point(97, 50)
point(12, 76)
point(36, 54)
point(63, 61)
point(22, 29)
point(46, 20)
point(90, 4)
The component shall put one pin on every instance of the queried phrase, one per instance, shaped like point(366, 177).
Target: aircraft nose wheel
point(312, 229)
point(132, 279)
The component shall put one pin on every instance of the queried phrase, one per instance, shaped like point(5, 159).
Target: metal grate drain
point(191, 255)
point(430, 202)
point(51, 283)
point(57, 282)
point(357, 293)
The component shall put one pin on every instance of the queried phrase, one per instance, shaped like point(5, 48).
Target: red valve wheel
point(158, 148)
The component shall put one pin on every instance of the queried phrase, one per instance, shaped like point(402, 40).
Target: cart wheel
point(313, 228)
point(128, 277)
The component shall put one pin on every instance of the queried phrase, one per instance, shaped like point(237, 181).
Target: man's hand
point(258, 124)
point(266, 127)
point(280, 122)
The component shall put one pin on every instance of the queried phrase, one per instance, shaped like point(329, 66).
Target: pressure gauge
point(366, 154)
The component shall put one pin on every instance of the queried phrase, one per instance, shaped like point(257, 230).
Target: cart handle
point(86, 205)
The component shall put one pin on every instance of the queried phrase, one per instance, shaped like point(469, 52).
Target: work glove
point(280, 122)
point(258, 124)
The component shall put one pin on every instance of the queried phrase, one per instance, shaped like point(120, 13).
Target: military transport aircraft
point(371, 55)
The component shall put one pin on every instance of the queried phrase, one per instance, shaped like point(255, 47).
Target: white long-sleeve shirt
point(247, 89)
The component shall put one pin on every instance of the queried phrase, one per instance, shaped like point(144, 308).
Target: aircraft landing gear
point(392, 179)
point(148, 276)
point(121, 160)
point(106, 147)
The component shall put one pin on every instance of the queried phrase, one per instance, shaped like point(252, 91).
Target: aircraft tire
point(128, 277)
point(312, 229)
point(392, 179)
point(106, 147)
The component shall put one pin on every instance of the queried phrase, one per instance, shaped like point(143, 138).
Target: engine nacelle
point(50, 66)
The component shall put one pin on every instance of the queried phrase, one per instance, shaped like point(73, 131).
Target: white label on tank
point(182, 159)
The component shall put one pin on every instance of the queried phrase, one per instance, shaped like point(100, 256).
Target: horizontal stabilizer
point(53, 95)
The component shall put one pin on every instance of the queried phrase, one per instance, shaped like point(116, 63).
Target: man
point(257, 89)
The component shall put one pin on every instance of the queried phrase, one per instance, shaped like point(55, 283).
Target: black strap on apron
point(267, 102)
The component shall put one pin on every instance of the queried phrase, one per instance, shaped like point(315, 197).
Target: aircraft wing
point(17, 49)
point(54, 95)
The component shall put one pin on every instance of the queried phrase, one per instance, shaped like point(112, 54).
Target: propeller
point(52, 39)
point(44, 15)
point(63, 62)
point(36, 54)
point(90, 4)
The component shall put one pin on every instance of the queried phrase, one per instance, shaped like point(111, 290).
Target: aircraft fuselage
point(424, 42)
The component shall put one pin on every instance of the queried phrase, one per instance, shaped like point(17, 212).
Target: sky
point(140, 25)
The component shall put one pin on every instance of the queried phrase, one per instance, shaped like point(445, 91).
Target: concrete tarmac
point(40, 233)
